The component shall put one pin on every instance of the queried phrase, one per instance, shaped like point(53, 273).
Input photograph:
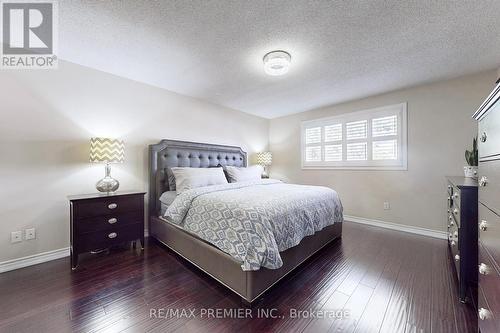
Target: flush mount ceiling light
point(277, 63)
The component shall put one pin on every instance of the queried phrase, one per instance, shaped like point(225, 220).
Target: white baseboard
point(38, 258)
point(398, 227)
point(35, 259)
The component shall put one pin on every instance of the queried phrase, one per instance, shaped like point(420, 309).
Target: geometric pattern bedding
point(254, 221)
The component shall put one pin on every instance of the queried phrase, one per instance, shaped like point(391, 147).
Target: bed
point(249, 280)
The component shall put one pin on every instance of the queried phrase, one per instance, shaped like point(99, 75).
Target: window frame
point(369, 114)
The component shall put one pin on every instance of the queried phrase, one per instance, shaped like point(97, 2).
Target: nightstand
point(102, 220)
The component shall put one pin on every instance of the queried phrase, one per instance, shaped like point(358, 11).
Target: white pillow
point(189, 178)
point(236, 174)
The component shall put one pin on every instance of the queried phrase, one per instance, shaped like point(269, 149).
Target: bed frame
point(249, 285)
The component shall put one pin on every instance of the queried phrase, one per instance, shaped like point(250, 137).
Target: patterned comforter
point(254, 221)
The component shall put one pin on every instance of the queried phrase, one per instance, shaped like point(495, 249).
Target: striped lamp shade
point(264, 158)
point(107, 150)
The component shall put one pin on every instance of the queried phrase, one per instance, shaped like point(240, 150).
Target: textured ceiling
point(341, 50)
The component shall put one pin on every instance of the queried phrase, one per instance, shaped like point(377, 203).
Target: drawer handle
point(484, 269)
point(112, 235)
point(483, 225)
point(112, 220)
point(457, 257)
point(483, 181)
point(112, 205)
point(484, 314)
point(483, 137)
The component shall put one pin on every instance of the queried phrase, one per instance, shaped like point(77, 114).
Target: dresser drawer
point(106, 238)
point(489, 232)
point(453, 242)
point(489, 184)
point(455, 197)
point(489, 132)
point(107, 206)
point(488, 321)
point(455, 212)
point(453, 231)
point(485, 265)
point(108, 222)
point(455, 256)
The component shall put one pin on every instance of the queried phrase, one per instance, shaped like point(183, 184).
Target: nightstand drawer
point(106, 238)
point(108, 206)
point(108, 222)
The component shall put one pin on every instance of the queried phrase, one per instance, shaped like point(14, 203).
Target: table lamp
point(104, 150)
point(265, 159)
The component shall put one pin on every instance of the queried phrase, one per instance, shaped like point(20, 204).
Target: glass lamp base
point(107, 184)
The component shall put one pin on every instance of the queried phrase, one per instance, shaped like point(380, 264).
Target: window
point(372, 139)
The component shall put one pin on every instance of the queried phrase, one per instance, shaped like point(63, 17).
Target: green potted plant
point(471, 156)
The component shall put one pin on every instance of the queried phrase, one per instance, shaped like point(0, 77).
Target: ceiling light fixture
point(277, 63)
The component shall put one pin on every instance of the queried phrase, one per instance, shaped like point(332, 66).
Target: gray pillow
point(171, 179)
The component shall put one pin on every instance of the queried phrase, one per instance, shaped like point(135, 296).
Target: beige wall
point(439, 129)
point(47, 119)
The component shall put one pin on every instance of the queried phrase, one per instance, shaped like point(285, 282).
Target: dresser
point(488, 116)
point(102, 220)
point(462, 233)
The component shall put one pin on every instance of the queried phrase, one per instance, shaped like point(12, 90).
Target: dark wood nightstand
point(102, 220)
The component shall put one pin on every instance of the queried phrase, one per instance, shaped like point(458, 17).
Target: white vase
point(470, 171)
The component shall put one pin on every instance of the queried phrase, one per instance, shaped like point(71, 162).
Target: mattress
point(254, 221)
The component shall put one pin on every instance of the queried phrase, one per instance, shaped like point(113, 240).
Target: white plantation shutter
point(333, 132)
point(385, 150)
point(357, 151)
point(313, 135)
point(371, 139)
point(313, 154)
point(385, 126)
point(356, 130)
point(333, 153)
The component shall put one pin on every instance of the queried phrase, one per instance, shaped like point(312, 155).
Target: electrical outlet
point(30, 234)
point(387, 205)
point(16, 236)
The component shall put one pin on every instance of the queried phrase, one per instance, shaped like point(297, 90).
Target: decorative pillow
point(171, 179)
point(189, 178)
point(236, 174)
point(225, 172)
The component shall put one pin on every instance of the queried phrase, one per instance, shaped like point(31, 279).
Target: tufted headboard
point(171, 153)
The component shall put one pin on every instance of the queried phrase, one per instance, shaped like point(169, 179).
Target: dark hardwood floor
point(388, 281)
